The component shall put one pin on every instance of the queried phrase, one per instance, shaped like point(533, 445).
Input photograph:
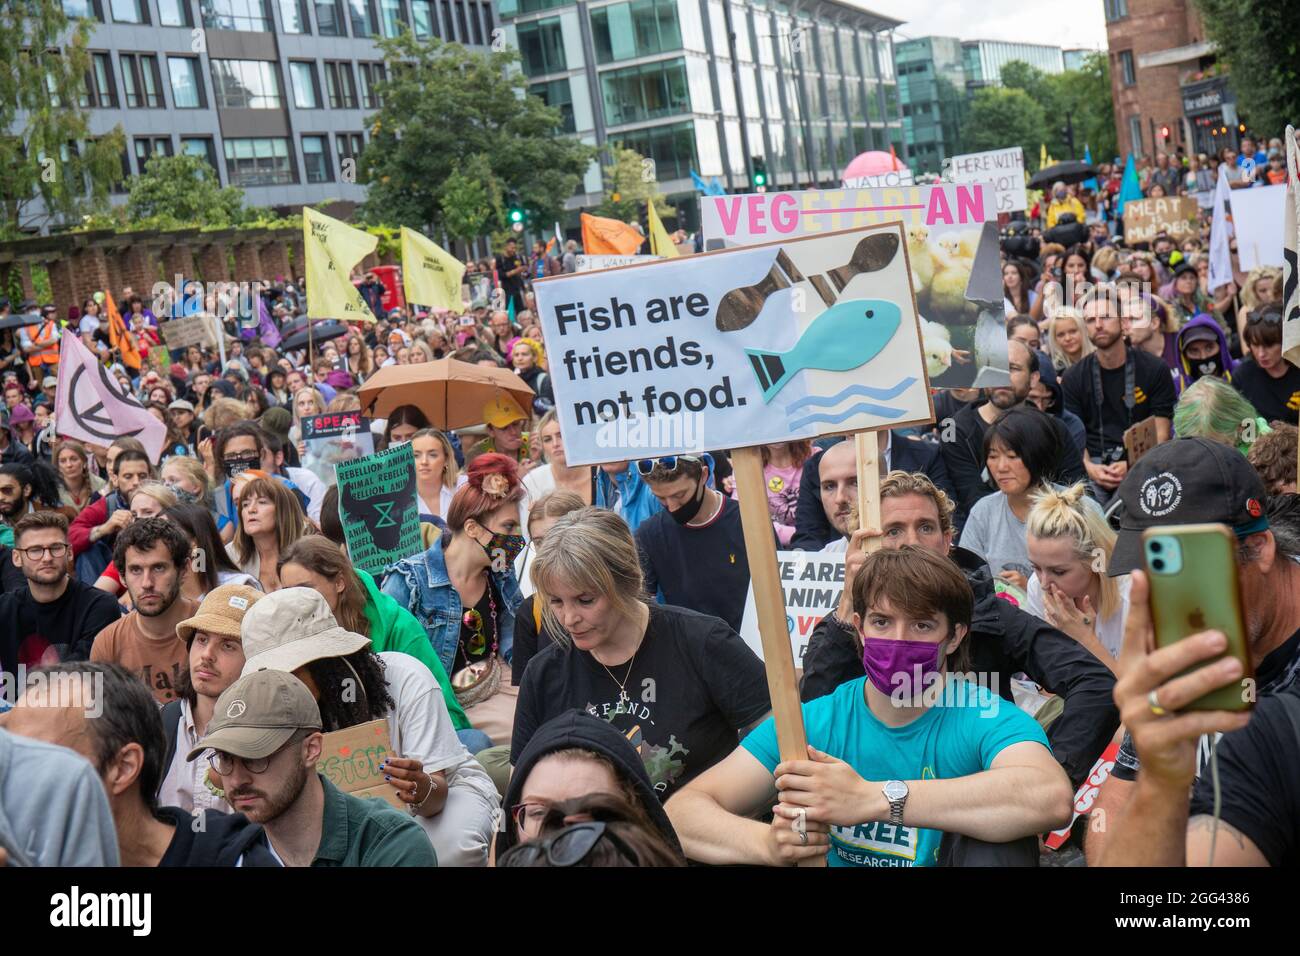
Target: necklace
point(623, 698)
point(473, 620)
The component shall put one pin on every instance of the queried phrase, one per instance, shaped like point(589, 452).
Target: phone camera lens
point(1157, 547)
point(1158, 564)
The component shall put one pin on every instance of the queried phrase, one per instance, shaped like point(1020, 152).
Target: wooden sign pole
point(868, 449)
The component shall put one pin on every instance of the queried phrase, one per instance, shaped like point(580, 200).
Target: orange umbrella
point(452, 394)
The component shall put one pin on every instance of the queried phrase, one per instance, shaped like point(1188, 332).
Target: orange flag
point(118, 336)
point(609, 237)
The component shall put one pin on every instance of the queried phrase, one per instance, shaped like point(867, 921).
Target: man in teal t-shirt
point(915, 749)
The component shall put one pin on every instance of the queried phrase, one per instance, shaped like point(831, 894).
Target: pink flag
point(91, 406)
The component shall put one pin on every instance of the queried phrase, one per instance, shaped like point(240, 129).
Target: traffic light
point(1164, 132)
point(515, 213)
point(759, 165)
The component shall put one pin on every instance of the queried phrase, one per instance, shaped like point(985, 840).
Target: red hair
point(471, 501)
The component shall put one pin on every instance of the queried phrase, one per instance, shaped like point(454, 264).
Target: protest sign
point(1004, 169)
point(377, 507)
point(736, 348)
point(811, 582)
point(965, 342)
point(335, 437)
point(350, 759)
point(191, 330)
point(1174, 216)
point(1086, 795)
point(593, 263)
point(1257, 220)
point(160, 357)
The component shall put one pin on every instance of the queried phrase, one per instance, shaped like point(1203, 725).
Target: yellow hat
point(503, 411)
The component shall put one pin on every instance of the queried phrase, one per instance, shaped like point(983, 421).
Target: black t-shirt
point(510, 283)
point(1259, 779)
point(69, 624)
point(476, 641)
point(705, 569)
point(1276, 399)
point(1153, 396)
point(691, 686)
point(527, 638)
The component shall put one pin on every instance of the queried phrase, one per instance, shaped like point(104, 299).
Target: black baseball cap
point(1187, 481)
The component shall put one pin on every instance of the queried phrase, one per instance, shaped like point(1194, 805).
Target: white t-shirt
point(1110, 630)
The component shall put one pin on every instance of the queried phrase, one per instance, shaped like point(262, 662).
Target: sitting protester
point(600, 830)
point(1211, 408)
point(543, 514)
point(892, 767)
point(1202, 353)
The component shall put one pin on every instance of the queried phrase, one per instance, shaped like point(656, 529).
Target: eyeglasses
point(571, 845)
point(35, 553)
point(646, 465)
point(223, 763)
point(1266, 318)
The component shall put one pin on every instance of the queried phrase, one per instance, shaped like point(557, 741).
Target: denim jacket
point(421, 585)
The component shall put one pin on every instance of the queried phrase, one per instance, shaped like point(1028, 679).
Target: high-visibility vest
point(46, 336)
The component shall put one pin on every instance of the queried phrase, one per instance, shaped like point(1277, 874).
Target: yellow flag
point(1042, 156)
point(331, 249)
point(660, 244)
point(430, 273)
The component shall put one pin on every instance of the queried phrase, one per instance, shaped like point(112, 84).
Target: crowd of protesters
point(589, 700)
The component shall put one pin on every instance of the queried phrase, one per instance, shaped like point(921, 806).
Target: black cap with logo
point(1187, 481)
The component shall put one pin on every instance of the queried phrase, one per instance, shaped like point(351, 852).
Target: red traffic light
point(1164, 132)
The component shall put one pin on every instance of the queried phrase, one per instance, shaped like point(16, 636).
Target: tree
point(445, 108)
point(632, 179)
point(1001, 117)
point(51, 169)
point(1260, 45)
point(1081, 95)
point(178, 191)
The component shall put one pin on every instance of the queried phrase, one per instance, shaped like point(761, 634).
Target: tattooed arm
point(1232, 847)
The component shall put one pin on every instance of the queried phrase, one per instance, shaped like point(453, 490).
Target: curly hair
point(340, 704)
point(1274, 457)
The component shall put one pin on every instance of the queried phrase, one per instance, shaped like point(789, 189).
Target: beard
point(1005, 398)
point(275, 803)
point(168, 600)
point(11, 508)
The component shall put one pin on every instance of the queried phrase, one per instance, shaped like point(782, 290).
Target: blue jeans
point(474, 740)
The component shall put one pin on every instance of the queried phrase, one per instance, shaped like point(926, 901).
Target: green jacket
point(358, 831)
point(394, 628)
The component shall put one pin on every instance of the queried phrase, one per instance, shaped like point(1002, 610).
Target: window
point(363, 18)
point(460, 18)
point(329, 22)
point(390, 17)
point(80, 10)
point(513, 8)
point(147, 146)
point(349, 146)
point(541, 45)
point(340, 87)
point(129, 11)
point(174, 13)
point(558, 95)
point(248, 16)
point(99, 83)
point(293, 18)
point(1116, 10)
point(201, 146)
point(475, 24)
point(1135, 134)
point(424, 19)
point(316, 160)
point(447, 19)
point(372, 74)
point(245, 84)
point(645, 92)
point(186, 91)
point(306, 96)
point(263, 161)
point(671, 147)
point(141, 81)
point(1126, 71)
point(625, 30)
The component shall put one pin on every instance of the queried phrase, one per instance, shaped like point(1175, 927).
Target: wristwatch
point(895, 792)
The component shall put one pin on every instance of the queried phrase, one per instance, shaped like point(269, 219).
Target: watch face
point(895, 790)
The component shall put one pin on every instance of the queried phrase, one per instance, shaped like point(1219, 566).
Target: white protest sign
point(1257, 219)
point(736, 348)
point(812, 582)
point(964, 345)
point(1003, 168)
point(593, 263)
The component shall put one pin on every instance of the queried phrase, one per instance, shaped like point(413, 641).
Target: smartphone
point(1194, 587)
point(466, 320)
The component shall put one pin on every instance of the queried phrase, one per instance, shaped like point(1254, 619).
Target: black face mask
point(687, 512)
point(1210, 367)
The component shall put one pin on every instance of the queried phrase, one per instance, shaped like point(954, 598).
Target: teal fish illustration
point(843, 337)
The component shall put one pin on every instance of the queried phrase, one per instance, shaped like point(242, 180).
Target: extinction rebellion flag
point(91, 405)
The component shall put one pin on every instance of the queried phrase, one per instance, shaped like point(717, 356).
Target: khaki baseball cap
point(221, 612)
point(292, 627)
point(257, 714)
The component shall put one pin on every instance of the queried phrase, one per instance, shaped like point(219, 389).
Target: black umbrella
point(1070, 171)
point(19, 320)
point(320, 332)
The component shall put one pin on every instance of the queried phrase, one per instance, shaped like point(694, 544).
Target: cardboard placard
point(965, 343)
point(1140, 439)
point(1004, 169)
point(378, 508)
point(595, 263)
point(811, 582)
point(335, 437)
point(1175, 216)
point(737, 348)
point(350, 760)
point(191, 330)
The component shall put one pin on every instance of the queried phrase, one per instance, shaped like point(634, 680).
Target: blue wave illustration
point(883, 411)
point(866, 391)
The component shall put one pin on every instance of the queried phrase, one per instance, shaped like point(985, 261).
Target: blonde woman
point(555, 475)
point(436, 474)
point(1255, 294)
point(1067, 338)
point(149, 500)
point(187, 478)
point(307, 401)
point(1070, 545)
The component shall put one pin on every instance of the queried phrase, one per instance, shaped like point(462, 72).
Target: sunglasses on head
point(1267, 318)
point(645, 466)
point(571, 845)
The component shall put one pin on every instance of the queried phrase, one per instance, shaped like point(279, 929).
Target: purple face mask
point(884, 658)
